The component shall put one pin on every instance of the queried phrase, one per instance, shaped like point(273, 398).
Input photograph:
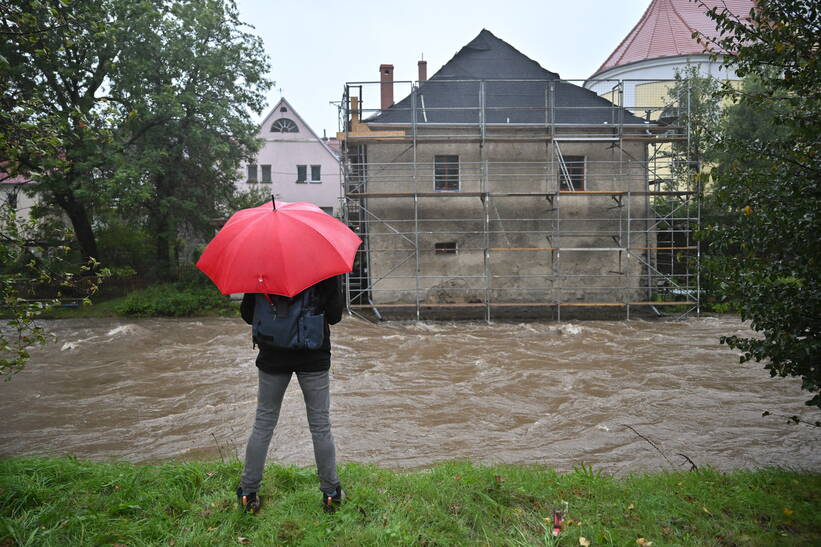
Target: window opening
point(284, 125)
point(252, 172)
point(445, 248)
point(301, 173)
point(315, 173)
point(446, 173)
point(572, 176)
point(266, 173)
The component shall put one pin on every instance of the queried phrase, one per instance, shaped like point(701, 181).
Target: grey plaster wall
point(492, 234)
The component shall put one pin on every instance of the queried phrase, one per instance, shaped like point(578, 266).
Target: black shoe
point(330, 502)
point(249, 502)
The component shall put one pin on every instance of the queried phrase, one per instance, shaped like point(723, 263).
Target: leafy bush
point(174, 300)
point(123, 243)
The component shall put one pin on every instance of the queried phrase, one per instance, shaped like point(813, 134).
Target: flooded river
point(409, 394)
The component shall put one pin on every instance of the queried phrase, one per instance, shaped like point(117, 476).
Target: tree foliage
point(695, 101)
point(766, 259)
point(57, 57)
point(137, 108)
point(123, 112)
point(203, 92)
point(33, 256)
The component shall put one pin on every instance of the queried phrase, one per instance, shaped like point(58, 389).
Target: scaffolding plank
point(525, 304)
point(667, 303)
point(513, 249)
point(593, 304)
point(521, 194)
point(663, 248)
point(513, 194)
point(592, 249)
point(592, 192)
point(415, 194)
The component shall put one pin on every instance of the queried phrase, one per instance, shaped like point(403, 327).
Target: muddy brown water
point(407, 394)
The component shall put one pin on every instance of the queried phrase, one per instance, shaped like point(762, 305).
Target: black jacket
point(276, 360)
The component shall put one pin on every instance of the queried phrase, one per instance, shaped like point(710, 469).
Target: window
point(315, 173)
point(301, 173)
point(445, 248)
point(252, 172)
point(283, 109)
point(284, 125)
point(266, 173)
point(572, 177)
point(446, 173)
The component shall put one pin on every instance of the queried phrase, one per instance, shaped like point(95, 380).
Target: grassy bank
point(70, 502)
point(162, 300)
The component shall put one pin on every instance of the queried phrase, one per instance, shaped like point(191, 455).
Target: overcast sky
point(316, 46)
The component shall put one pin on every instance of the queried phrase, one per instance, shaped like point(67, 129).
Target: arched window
point(284, 125)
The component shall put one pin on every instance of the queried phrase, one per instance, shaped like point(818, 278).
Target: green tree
point(766, 260)
point(33, 277)
point(146, 107)
point(208, 82)
point(695, 103)
point(57, 60)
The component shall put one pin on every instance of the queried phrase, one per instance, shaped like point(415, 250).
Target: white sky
point(316, 46)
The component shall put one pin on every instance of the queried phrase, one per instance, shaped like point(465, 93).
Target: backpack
point(289, 323)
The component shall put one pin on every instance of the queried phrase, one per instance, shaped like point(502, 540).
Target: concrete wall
point(491, 235)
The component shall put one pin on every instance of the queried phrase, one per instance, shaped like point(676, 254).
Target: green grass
point(69, 502)
point(163, 300)
point(98, 308)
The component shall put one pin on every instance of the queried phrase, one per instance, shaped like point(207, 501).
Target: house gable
point(292, 128)
point(491, 82)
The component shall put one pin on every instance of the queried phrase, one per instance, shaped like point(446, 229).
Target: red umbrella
point(278, 248)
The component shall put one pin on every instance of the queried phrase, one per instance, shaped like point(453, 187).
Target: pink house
point(294, 163)
point(12, 192)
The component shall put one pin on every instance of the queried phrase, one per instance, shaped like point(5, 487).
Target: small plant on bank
point(175, 300)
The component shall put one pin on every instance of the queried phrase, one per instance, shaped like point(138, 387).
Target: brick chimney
point(386, 79)
point(423, 71)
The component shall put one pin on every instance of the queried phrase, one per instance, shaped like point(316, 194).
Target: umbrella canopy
point(278, 248)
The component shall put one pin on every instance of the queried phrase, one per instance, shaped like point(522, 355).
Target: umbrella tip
point(274, 202)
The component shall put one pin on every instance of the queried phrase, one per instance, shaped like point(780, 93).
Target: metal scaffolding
point(539, 220)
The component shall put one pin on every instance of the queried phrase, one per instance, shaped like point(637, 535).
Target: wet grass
point(70, 502)
point(157, 301)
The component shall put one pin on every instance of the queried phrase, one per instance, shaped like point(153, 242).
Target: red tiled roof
point(666, 29)
point(334, 145)
point(19, 179)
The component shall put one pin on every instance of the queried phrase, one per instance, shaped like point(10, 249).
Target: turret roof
point(666, 30)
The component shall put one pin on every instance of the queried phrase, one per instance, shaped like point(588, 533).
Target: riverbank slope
point(65, 501)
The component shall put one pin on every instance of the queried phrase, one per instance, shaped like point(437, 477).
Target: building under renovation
point(497, 189)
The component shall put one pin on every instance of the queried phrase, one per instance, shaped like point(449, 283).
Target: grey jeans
point(316, 392)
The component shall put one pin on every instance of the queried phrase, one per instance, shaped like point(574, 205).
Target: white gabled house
point(294, 163)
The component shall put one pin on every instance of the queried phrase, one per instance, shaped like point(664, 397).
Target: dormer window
point(284, 125)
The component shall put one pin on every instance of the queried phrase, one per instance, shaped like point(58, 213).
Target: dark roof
point(516, 88)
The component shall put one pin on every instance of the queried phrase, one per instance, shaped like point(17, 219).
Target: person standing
point(276, 365)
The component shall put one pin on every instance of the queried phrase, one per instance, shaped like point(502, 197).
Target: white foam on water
point(566, 329)
point(122, 329)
